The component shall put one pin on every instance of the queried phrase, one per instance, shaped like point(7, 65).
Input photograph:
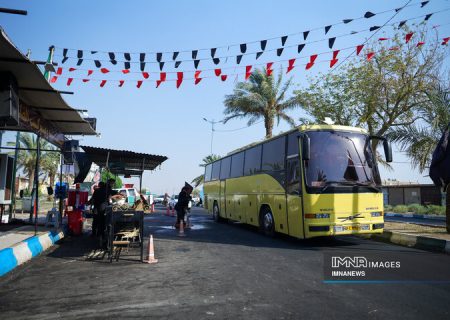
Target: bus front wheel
point(267, 223)
point(216, 214)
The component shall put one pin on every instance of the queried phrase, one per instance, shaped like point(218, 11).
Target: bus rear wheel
point(267, 223)
point(216, 213)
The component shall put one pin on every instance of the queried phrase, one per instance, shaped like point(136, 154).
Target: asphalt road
point(218, 271)
point(428, 222)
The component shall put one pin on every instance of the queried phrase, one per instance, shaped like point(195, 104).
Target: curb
point(413, 241)
point(416, 216)
point(26, 250)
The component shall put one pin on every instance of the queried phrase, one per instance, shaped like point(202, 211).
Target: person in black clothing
point(183, 200)
point(99, 200)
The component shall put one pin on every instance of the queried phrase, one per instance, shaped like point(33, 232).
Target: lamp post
point(212, 122)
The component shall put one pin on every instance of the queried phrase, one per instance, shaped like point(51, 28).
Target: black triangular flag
point(127, 56)
point(142, 66)
point(79, 62)
point(258, 54)
point(97, 64)
point(398, 9)
point(177, 64)
point(402, 23)
point(112, 58)
point(263, 44)
point(283, 40)
point(279, 51)
point(127, 65)
point(374, 28)
point(80, 54)
point(428, 16)
point(305, 34)
point(196, 62)
point(368, 15)
point(93, 52)
point(238, 58)
point(353, 32)
point(327, 28)
point(347, 21)
point(64, 59)
point(216, 60)
point(158, 56)
point(65, 55)
point(161, 66)
point(331, 42)
point(300, 47)
point(175, 55)
point(213, 52)
point(194, 54)
point(142, 57)
point(243, 47)
point(424, 3)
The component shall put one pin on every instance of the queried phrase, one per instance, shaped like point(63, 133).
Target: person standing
point(99, 200)
point(184, 198)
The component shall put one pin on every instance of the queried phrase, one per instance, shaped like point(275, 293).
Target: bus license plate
point(356, 227)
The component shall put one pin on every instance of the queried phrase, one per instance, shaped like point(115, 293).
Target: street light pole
point(212, 122)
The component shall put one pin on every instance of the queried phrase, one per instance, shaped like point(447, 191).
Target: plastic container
point(75, 222)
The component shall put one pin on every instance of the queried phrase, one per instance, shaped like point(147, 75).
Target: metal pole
point(13, 188)
point(212, 135)
point(36, 182)
point(61, 158)
point(50, 61)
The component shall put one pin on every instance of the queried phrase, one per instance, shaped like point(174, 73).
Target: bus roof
point(302, 128)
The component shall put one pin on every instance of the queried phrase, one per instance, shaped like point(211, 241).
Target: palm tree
point(206, 160)
point(49, 165)
point(27, 158)
point(261, 97)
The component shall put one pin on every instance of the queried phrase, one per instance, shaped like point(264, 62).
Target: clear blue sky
point(167, 121)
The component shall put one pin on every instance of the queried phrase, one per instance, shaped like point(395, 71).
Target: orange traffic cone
point(153, 208)
point(151, 251)
point(181, 231)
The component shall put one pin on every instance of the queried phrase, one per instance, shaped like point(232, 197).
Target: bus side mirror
point(306, 147)
point(387, 150)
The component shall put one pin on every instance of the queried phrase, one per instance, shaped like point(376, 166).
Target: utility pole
point(49, 64)
point(212, 122)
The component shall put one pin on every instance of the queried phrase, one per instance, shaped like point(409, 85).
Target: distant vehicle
point(158, 199)
point(130, 194)
point(195, 200)
point(173, 201)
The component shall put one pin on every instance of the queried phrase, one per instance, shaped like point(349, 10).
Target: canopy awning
point(123, 161)
point(38, 94)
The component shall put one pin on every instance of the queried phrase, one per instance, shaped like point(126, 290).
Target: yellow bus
point(315, 180)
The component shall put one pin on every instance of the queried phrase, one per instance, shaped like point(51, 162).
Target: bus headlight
point(317, 216)
point(376, 214)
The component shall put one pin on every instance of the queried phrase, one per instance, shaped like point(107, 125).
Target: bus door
point(294, 196)
point(222, 201)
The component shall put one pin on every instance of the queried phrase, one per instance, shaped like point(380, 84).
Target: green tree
point(381, 94)
point(49, 165)
point(206, 160)
point(261, 97)
point(27, 158)
point(108, 175)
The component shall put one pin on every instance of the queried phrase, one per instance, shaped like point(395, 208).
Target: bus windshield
point(340, 159)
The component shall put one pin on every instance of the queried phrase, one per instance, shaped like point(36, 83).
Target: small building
point(424, 194)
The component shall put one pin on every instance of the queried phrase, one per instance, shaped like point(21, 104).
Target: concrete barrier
point(26, 250)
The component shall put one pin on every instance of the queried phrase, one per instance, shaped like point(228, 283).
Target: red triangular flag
point(59, 71)
point(102, 84)
point(291, 65)
point(179, 79)
point(197, 74)
point(248, 72)
point(69, 81)
point(121, 82)
point(217, 72)
point(333, 62)
point(269, 69)
point(104, 70)
point(383, 39)
point(223, 77)
point(394, 48)
point(139, 84)
point(72, 69)
point(197, 80)
point(90, 72)
point(359, 48)
point(335, 53)
point(370, 55)
point(86, 80)
point(54, 78)
point(408, 36)
point(162, 76)
point(125, 71)
point(420, 43)
point(311, 61)
point(158, 82)
point(145, 75)
point(445, 40)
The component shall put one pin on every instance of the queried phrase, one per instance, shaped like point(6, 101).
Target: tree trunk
point(268, 123)
point(31, 181)
point(447, 212)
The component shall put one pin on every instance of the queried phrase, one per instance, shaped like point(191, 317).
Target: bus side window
point(293, 185)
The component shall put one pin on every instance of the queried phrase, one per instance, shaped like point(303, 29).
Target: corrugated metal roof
point(38, 94)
